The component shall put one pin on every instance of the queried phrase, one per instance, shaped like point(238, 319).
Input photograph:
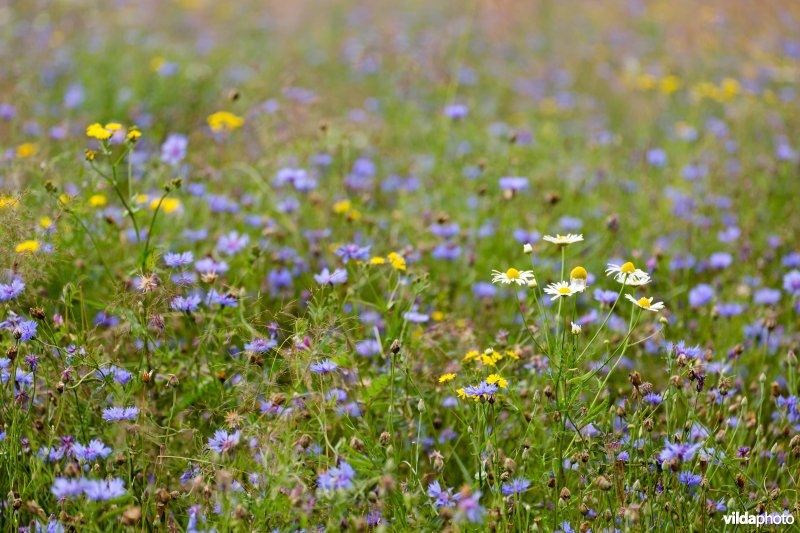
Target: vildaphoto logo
point(758, 520)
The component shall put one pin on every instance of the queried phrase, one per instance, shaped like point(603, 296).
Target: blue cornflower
point(208, 266)
point(178, 260)
point(480, 390)
point(517, 486)
point(326, 277)
point(223, 300)
point(368, 348)
point(513, 183)
point(9, 291)
point(605, 297)
point(232, 243)
point(96, 448)
point(689, 479)
point(680, 451)
point(66, 488)
point(456, 111)
point(260, 345)
point(173, 151)
point(470, 507)
point(443, 497)
point(113, 414)
point(337, 478)
point(701, 295)
point(222, 441)
point(102, 490)
point(324, 367)
point(186, 304)
point(354, 252)
point(652, 398)
point(120, 375)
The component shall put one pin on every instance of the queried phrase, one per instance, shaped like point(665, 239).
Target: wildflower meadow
point(489, 265)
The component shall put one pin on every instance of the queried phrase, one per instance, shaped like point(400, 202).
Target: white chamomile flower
point(562, 289)
point(628, 274)
point(646, 303)
point(512, 275)
point(527, 248)
point(563, 239)
point(576, 329)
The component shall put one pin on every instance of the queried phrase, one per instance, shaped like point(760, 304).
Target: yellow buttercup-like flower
point(224, 121)
point(342, 206)
point(26, 150)
point(8, 202)
point(446, 377)
point(377, 261)
point(398, 262)
point(29, 246)
point(97, 200)
point(97, 131)
point(45, 222)
point(168, 205)
point(499, 381)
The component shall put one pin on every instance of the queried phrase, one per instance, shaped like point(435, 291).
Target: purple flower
point(174, 149)
point(9, 291)
point(178, 260)
point(260, 345)
point(232, 243)
point(471, 508)
point(689, 479)
point(185, 304)
point(223, 442)
point(480, 390)
point(102, 490)
point(324, 367)
point(720, 260)
point(415, 317)
point(517, 486)
point(354, 252)
point(223, 300)
point(114, 414)
point(605, 297)
point(701, 295)
point(207, 266)
point(652, 398)
point(513, 183)
point(767, 296)
point(66, 488)
point(791, 283)
point(337, 478)
point(730, 309)
point(456, 111)
point(443, 497)
point(120, 375)
point(326, 277)
point(92, 451)
point(656, 157)
point(679, 451)
point(368, 348)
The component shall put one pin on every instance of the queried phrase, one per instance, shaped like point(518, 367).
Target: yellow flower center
point(627, 268)
point(578, 273)
point(564, 290)
point(512, 273)
point(644, 302)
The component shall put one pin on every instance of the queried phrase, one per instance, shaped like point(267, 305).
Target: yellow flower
point(27, 247)
point(512, 354)
point(342, 206)
point(97, 131)
point(398, 262)
point(168, 205)
point(113, 126)
point(8, 202)
point(669, 84)
point(490, 357)
point(501, 382)
point(353, 215)
point(90, 154)
point(64, 198)
point(437, 316)
point(377, 261)
point(97, 200)
point(26, 150)
point(461, 393)
point(473, 354)
point(134, 134)
point(224, 121)
point(156, 63)
point(45, 222)
point(141, 199)
point(446, 377)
